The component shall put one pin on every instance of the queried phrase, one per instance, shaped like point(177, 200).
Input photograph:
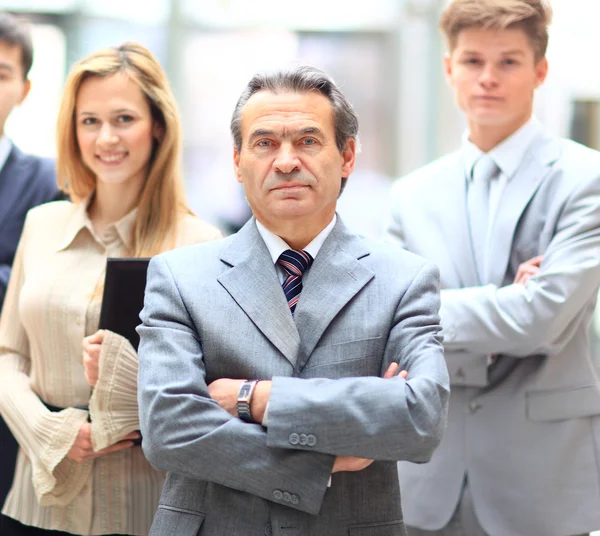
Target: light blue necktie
point(478, 208)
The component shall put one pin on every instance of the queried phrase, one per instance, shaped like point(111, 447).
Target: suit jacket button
point(460, 374)
point(312, 440)
point(303, 439)
point(269, 530)
point(295, 499)
point(473, 406)
point(294, 439)
point(278, 495)
point(287, 497)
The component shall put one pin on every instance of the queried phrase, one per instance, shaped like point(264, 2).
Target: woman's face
point(115, 130)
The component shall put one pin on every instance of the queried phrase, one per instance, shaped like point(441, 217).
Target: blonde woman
point(119, 148)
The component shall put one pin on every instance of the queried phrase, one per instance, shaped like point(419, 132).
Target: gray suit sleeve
point(186, 432)
point(541, 316)
point(370, 417)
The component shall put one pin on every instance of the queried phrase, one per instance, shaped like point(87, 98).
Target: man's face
point(13, 89)
point(289, 163)
point(494, 74)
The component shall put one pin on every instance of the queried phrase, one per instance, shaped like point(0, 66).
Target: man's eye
point(510, 62)
point(264, 143)
point(309, 141)
point(472, 61)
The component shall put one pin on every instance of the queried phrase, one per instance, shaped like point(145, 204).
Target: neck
point(111, 203)
point(297, 234)
point(486, 137)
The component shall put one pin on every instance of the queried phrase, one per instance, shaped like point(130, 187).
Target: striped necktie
point(294, 263)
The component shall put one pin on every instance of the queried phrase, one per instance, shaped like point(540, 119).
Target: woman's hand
point(82, 450)
point(91, 356)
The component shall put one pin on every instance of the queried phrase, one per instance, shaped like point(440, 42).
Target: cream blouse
point(52, 303)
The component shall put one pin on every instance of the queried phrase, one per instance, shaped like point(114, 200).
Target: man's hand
point(350, 464)
point(82, 450)
point(224, 392)
point(528, 269)
point(393, 369)
point(91, 356)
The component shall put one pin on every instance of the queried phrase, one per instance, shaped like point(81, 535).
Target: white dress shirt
point(276, 245)
point(5, 148)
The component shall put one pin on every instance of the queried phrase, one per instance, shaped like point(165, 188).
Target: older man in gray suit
point(311, 448)
point(521, 453)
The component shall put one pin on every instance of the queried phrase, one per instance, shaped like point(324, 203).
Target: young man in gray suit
point(25, 182)
point(311, 448)
point(513, 222)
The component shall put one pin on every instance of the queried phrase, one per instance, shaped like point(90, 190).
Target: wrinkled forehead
point(286, 110)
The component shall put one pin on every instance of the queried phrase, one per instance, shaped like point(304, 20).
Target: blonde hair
point(162, 199)
point(532, 16)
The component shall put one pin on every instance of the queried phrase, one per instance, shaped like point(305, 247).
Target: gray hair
point(300, 80)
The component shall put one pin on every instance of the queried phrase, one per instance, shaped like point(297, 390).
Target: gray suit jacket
point(218, 310)
point(529, 437)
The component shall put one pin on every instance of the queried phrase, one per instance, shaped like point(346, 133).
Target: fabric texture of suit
point(526, 430)
point(25, 182)
point(218, 311)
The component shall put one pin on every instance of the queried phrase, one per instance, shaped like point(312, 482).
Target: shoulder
point(193, 230)
point(51, 213)
point(428, 176)
point(392, 262)
point(578, 159)
point(200, 255)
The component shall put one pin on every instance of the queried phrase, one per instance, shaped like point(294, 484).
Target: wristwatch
point(244, 399)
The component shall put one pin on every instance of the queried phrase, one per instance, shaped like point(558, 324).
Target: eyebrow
point(7, 67)
point(260, 132)
point(120, 111)
point(506, 53)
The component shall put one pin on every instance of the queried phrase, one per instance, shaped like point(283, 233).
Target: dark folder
point(123, 296)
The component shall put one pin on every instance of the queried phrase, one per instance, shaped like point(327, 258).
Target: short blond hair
point(162, 200)
point(532, 16)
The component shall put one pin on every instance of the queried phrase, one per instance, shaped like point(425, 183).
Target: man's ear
point(448, 69)
point(541, 71)
point(349, 157)
point(26, 89)
point(236, 165)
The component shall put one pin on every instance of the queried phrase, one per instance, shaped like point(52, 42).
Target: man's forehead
point(479, 39)
point(286, 107)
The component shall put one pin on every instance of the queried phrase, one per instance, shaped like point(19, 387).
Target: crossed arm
point(186, 431)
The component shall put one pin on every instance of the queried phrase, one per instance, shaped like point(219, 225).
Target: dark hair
point(15, 32)
point(300, 80)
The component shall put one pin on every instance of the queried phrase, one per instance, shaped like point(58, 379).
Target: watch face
point(244, 391)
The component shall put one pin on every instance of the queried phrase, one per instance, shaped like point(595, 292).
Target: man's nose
point(489, 76)
point(287, 160)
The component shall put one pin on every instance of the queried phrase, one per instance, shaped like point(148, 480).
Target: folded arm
point(542, 315)
point(186, 432)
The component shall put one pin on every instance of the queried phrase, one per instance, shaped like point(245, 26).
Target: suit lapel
point(335, 277)
point(254, 285)
point(454, 225)
point(514, 199)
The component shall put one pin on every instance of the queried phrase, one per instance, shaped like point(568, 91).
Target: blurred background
point(385, 54)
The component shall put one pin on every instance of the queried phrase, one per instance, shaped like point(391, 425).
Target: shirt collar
point(276, 245)
point(80, 220)
point(5, 148)
point(508, 154)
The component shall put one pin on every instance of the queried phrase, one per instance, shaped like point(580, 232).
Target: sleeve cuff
point(113, 404)
point(57, 480)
